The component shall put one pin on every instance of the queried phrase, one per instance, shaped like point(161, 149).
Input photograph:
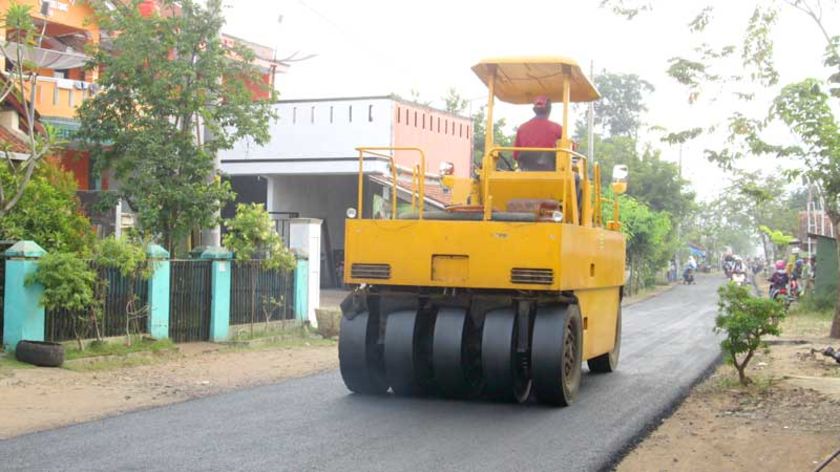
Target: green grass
point(243, 332)
point(804, 322)
point(281, 338)
point(8, 363)
point(119, 348)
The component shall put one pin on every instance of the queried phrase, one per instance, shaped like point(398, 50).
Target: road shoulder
point(37, 399)
point(786, 420)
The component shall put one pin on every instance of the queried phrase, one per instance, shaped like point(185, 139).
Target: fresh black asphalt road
point(313, 424)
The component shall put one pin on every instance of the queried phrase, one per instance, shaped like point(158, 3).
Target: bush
point(745, 320)
point(814, 302)
point(68, 285)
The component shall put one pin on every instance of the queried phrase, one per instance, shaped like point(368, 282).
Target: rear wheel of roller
point(456, 354)
point(506, 375)
point(360, 356)
point(556, 352)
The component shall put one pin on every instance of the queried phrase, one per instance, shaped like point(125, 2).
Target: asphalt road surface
point(315, 424)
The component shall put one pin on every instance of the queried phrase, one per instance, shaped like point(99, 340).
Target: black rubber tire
point(556, 354)
point(40, 353)
point(606, 363)
point(359, 356)
point(456, 357)
point(405, 365)
point(500, 364)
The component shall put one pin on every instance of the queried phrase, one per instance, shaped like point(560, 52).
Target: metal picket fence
point(269, 291)
point(118, 305)
point(190, 296)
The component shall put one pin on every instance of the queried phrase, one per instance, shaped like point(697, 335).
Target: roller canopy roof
point(520, 79)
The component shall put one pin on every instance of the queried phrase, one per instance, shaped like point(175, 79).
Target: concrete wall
point(313, 129)
point(442, 136)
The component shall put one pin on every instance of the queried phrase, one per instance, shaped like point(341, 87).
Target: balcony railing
point(61, 97)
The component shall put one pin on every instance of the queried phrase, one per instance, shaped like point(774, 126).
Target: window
point(294, 115)
point(424, 121)
point(461, 131)
point(468, 132)
point(438, 125)
point(399, 114)
point(415, 119)
point(331, 114)
point(312, 115)
point(350, 113)
point(406, 117)
point(370, 113)
point(446, 128)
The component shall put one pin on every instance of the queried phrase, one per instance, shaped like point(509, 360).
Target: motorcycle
point(781, 294)
point(688, 276)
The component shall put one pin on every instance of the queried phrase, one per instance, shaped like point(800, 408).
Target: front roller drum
point(360, 356)
point(556, 354)
point(455, 354)
point(407, 369)
point(505, 370)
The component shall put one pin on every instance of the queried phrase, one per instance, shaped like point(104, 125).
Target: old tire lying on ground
point(40, 353)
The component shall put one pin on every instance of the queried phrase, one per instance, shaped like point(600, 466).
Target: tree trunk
point(835, 323)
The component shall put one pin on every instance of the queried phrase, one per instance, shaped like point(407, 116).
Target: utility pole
point(591, 142)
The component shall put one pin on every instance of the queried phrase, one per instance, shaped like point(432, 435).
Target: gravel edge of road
point(666, 412)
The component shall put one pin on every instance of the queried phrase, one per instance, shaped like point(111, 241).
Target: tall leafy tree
point(805, 107)
point(619, 111)
point(164, 77)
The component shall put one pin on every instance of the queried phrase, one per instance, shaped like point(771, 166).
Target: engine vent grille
point(370, 271)
point(532, 276)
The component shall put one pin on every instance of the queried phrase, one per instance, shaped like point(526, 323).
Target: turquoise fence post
point(158, 325)
point(23, 313)
point(302, 289)
point(220, 285)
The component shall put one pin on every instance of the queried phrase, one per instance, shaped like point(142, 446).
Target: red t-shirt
point(537, 133)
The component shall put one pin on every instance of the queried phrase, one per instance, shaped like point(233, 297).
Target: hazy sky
point(377, 47)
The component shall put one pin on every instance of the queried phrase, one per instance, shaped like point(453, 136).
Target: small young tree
point(251, 235)
point(20, 85)
point(129, 259)
point(68, 285)
point(745, 320)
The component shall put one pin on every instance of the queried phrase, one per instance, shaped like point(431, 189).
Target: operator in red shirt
point(538, 132)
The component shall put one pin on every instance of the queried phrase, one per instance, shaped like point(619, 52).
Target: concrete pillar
point(305, 239)
point(302, 289)
point(158, 324)
point(220, 286)
point(23, 313)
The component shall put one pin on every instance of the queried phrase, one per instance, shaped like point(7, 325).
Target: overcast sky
point(377, 47)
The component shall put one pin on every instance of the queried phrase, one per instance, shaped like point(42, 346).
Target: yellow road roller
point(508, 290)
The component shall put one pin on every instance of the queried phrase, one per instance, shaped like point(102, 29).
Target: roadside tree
point(19, 85)
point(164, 77)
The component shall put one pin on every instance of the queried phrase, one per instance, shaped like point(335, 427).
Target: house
point(310, 167)
point(63, 85)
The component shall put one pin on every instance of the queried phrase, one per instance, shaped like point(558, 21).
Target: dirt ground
point(786, 421)
point(36, 399)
